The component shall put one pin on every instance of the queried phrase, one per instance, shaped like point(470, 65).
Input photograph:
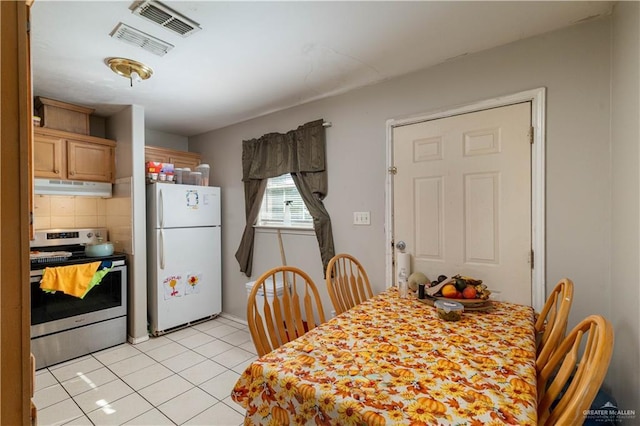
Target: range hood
point(71, 187)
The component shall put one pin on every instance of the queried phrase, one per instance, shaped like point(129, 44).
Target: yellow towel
point(73, 279)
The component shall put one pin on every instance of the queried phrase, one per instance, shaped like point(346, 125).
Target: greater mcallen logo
point(608, 411)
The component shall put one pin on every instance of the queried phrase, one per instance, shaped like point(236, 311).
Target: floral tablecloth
point(393, 361)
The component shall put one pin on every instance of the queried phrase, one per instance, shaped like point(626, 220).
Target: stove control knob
point(89, 234)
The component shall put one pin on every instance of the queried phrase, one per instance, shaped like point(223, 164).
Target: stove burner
point(63, 247)
point(53, 256)
point(48, 257)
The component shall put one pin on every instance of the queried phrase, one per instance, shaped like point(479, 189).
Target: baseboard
point(136, 340)
point(234, 318)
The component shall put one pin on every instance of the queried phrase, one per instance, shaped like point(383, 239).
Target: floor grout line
point(191, 416)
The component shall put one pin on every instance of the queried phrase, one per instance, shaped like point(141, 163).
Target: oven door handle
point(161, 209)
point(161, 248)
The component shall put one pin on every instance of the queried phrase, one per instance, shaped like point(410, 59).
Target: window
point(282, 191)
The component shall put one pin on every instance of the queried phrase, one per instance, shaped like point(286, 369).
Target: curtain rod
point(326, 124)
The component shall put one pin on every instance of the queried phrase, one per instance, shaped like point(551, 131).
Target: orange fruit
point(469, 292)
point(449, 290)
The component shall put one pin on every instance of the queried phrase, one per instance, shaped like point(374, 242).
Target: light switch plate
point(361, 218)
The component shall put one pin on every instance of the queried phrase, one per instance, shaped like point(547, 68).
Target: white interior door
point(462, 197)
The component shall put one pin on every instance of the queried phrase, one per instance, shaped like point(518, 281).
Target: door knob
point(401, 245)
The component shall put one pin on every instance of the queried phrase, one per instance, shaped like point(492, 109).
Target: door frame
point(537, 97)
point(16, 135)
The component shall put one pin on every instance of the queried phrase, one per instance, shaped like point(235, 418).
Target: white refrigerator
point(183, 255)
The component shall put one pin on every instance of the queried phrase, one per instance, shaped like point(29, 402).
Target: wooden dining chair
point(278, 314)
point(568, 383)
point(347, 282)
point(551, 324)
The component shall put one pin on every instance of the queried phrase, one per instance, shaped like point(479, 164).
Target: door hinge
point(531, 135)
point(532, 258)
point(393, 170)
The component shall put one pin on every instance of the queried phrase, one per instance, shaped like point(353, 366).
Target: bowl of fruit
point(463, 289)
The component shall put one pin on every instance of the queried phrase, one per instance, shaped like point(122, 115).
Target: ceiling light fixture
point(128, 68)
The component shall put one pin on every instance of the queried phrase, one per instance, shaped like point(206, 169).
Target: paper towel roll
point(403, 261)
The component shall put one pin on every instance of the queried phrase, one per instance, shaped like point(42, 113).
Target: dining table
point(394, 361)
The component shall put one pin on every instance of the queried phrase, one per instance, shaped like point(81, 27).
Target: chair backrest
point(551, 324)
point(347, 282)
point(568, 383)
point(284, 304)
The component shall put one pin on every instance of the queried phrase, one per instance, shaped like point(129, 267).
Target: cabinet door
point(48, 152)
point(156, 155)
point(184, 161)
point(177, 158)
point(90, 161)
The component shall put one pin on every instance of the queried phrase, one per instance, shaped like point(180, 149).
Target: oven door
point(55, 312)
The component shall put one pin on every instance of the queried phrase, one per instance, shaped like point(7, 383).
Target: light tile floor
point(181, 378)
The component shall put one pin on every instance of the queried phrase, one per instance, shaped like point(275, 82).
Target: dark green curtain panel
point(302, 153)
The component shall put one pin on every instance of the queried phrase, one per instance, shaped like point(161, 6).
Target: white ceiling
point(252, 58)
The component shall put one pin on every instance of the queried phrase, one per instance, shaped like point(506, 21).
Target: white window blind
point(280, 190)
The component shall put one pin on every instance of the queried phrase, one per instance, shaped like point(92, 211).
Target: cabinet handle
point(72, 173)
point(56, 171)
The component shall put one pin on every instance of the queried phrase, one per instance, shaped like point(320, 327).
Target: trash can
point(270, 293)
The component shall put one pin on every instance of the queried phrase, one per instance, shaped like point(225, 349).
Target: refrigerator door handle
point(161, 251)
point(161, 209)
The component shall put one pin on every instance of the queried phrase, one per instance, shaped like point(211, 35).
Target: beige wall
point(584, 235)
point(165, 140)
point(127, 127)
point(625, 235)
point(572, 64)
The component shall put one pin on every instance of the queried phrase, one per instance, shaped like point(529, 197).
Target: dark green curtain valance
point(300, 152)
point(274, 154)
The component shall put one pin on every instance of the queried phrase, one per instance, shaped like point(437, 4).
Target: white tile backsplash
point(58, 211)
point(86, 206)
point(86, 221)
point(63, 221)
point(63, 205)
point(42, 206)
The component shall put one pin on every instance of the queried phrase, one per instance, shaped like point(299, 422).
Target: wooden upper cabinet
point(63, 116)
point(48, 159)
point(64, 155)
point(183, 161)
point(89, 161)
point(179, 159)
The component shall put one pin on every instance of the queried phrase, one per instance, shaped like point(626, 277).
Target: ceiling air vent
point(138, 38)
point(165, 17)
